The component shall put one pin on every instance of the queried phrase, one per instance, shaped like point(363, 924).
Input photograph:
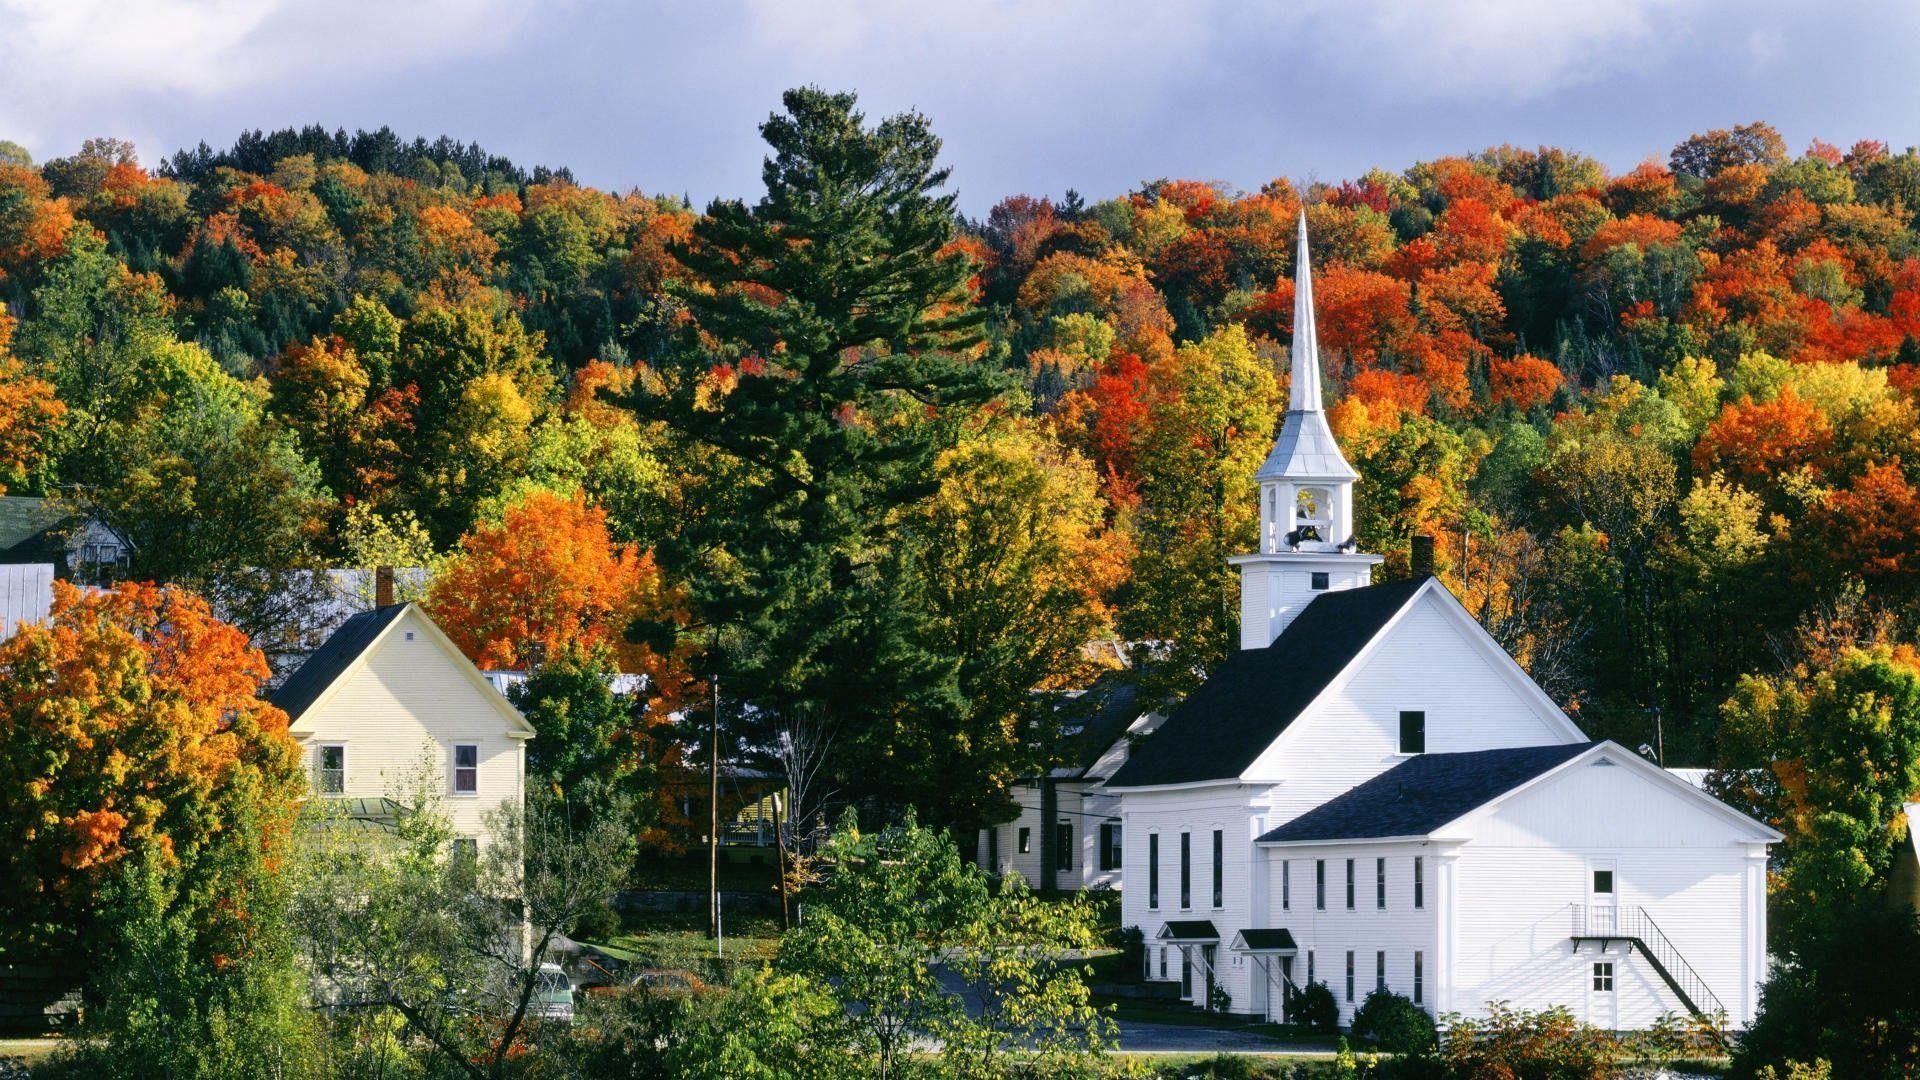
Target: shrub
point(1314, 1007)
point(1545, 1045)
point(1394, 1023)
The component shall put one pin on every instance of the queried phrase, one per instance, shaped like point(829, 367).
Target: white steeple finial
point(1305, 369)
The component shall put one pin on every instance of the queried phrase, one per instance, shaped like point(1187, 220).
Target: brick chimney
point(383, 583)
point(1421, 561)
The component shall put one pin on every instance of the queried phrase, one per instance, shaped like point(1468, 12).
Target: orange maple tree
point(133, 728)
point(548, 580)
point(29, 411)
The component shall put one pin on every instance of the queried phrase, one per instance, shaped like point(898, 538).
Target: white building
point(1373, 793)
point(389, 703)
point(1068, 833)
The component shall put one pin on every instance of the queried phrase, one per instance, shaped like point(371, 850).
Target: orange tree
point(134, 736)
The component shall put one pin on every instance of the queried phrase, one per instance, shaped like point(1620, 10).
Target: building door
point(1603, 892)
point(1186, 973)
point(1603, 999)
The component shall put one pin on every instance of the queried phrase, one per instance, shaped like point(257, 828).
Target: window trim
point(1286, 884)
point(1419, 976)
point(1319, 884)
point(1603, 977)
point(1112, 845)
point(1349, 976)
point(1024, 841)
point(1350, 906)
point(453, 777)
point(1380, 969)
point(320, 769)
point(1186, 871)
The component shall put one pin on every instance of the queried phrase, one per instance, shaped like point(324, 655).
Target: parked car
point(552, 995)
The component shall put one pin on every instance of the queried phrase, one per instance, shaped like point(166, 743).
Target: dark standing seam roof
point(1423, 793)
point(1251, 698)
point(1105, 712)
point(332, 659)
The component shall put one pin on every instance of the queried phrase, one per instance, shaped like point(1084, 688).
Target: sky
point(1030, 97)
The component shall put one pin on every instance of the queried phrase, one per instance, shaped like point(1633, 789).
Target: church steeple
point(1306, 494)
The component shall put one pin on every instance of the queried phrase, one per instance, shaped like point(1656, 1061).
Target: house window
point(1153, 880)
point(1419, 976)
point(1186, 870)
point(1319, 581)
point(1286, 885)
point(466, 768)
point(1309, 967)
point(1163, 963)
point(1419, 882)
point(333, 769)
point(1380, 884)
point(466, 850)
point(1349, 884)
point(1603, 882)
point(1219, 868)
point(1110, 846)
point(1320, 884)
point(1380, 970)
point(1603, 976)
point(1349, 974)
point(1413, 732)
point(1026, 841)
point(1063, 846)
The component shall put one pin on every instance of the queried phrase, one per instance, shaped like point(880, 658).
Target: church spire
point(1305, 396)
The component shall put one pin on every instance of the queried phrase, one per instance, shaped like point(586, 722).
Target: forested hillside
point(1663, 423)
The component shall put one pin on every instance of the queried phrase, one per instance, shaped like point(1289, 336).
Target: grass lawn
point(29, 1049)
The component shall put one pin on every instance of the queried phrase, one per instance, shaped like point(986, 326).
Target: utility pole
point(713, 811)
point(780, 858)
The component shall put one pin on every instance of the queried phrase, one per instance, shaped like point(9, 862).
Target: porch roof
point(1189, 932)
point(1276, 941)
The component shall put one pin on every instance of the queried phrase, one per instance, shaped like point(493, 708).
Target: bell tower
point(1306, 496)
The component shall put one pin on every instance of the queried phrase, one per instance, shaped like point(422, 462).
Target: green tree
point(894, 908)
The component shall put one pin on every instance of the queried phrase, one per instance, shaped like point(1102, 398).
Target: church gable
point(1610, 799)
point(1434, 661)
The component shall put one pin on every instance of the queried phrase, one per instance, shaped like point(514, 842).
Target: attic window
point(1604, 763)
point(1413, 732)
point(1319, 581)
point(409, 635)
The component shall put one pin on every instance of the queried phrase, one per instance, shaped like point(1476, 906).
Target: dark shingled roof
point(332, 658)
point(1264, 940)
point(30, 530)
point(1423, 793)
point(1102, 714)
point(1223, 726)
point(1189, 930)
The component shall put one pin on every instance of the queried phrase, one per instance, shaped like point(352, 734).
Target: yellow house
point(389, 703)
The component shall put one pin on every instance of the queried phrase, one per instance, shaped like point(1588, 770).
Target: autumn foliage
point(132, 726)
point(548, 580)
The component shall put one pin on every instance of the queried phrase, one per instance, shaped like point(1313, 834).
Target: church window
point(1349, 884)
point(1380, 970)
point(1320, 884)
point(1320, 581)
point(1380, 884)
point(1286, 885)
point(1026, 841)
point(1186, 870)
point(1153, 874)
point(1349, 974)
point(1419, 975)
point(1063, 846)
point(1603, 977)
point(1603, 882)
point(1419, 882)
point(1219, 868)
point(1413, 732)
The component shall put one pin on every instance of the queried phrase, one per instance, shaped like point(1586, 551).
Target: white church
point(1372, 793)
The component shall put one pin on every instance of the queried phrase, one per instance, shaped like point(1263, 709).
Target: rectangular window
point(1380, 970)
point(466, 849)
point(1319, 581)
point(1026, 841)
point(1186, 870)
point(1320, 884)
point(1063, 846)
point(1349, 884)
point(1603, 882)
point(1349, 974)
point(1163, 963)
point(1419, 976)
point(1309, 967)
point(333, 769)
point(1603, 977)
point(1219, 868)
point(1286, 885)
point(1380, 883)
point(466, 769)
point(1109, 846)
point(1413, 732)
point(1419, 881)
point(1153, 879)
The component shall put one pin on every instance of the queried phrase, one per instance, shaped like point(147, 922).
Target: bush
point(1314, 1007)
point(1393, 1023)
point(1545, 1045)
point(1838, 998)
point(598, 923)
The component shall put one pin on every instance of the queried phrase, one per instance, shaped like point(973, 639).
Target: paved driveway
point(1148, 1037)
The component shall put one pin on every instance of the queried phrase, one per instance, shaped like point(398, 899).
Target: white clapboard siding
point(26, 595)
point(400, 710)
point(1399, 929)
point(1424, 661)
point(1234, 810)
point(1697, 874)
